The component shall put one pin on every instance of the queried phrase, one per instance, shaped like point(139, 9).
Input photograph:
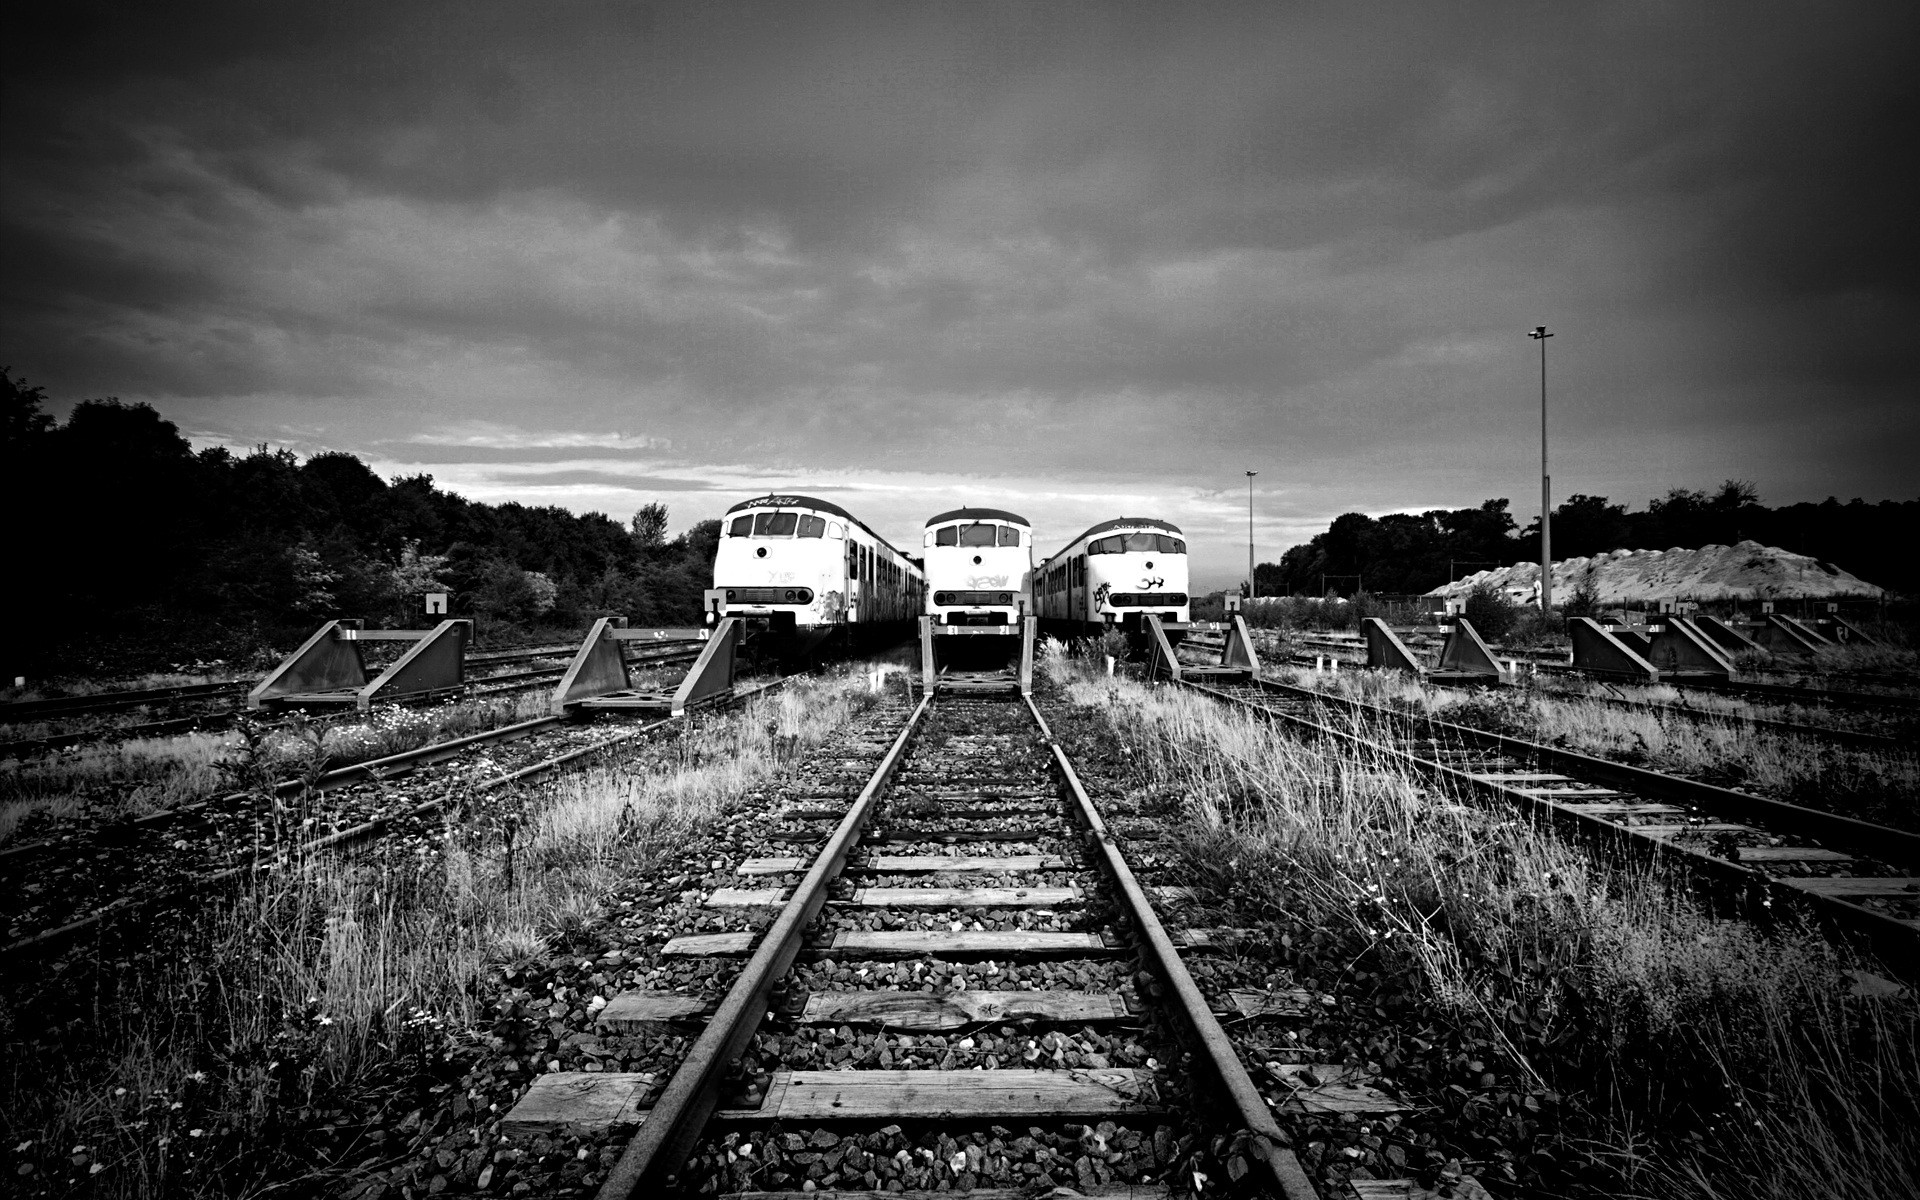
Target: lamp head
point(1540, 331)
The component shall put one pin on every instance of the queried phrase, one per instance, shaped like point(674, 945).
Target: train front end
point(1136, 568)
point(979, 565)
point(781, 567)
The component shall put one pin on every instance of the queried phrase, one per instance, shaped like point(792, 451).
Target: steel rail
point(385, 767)
point(521, 654)
point(27, 710)
point(1845, 737)
point(1554, 663)
point(1864, 836)
point(1804, 695)
point(680, 1113)
point(207, 722)
point(1895, 942)
point(1283, 1167)
point(49, 938)
point(203, 722)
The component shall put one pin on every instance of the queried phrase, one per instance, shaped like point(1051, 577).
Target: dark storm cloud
point(1104, 241)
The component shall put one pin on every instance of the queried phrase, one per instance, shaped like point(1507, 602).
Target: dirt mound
point(1743, 571)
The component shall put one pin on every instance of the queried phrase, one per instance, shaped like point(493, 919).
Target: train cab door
point(853, 579)
point(1077, 595)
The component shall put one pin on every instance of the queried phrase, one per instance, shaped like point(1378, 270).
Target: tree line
point(127, 547)
point(1407, 553)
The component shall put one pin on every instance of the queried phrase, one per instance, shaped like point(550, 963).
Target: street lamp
point(1250, 584)
point(1541, 335)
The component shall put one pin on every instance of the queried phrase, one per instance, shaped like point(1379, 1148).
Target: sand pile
point(1743, 571)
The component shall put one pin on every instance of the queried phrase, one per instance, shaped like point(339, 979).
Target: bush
point(1585, 600)
point(1492, 614)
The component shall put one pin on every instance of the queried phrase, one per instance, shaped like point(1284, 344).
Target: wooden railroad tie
point(929, 897)
point(926, 1012)
point(989, 943)
point(1018, 1093)
point(1790, 854)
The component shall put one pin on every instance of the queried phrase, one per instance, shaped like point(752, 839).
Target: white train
point(1113, 575)
point(979, 567)
point(800, 569)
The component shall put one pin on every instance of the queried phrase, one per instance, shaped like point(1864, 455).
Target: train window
point(1172, 545)
point(1107, 545)
point(775, 524)
point(1009, 536)
point(834, 530)
point(947, 535)
point(980, 534)
point(741, 527)
point(1149, 542)
point(811, 526)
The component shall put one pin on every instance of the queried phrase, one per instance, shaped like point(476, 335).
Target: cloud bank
point(1063, 255)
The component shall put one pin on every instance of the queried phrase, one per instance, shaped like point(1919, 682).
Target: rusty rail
point(678, 1116)
point(1283, 1168)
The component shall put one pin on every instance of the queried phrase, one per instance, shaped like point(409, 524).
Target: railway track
point(1864, 739)
point(667, 653)
point(118, 701)
point(935, 989)
point(1854, 876)
point(79, 885)
point(1839, 735)
point(99, 702)
point(1556, 663)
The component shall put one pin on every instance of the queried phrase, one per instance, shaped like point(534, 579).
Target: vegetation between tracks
point(317, 1027)
point(1879, 785)
point(113, 781)
point(1568, 1026)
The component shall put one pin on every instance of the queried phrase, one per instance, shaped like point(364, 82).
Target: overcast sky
point(1079, 261)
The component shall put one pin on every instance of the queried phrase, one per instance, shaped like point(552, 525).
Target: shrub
point(1585, 600)
point(1492, 614)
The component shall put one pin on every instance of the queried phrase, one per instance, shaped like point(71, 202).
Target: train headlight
point(789, 595)
point(1006, 598)
point(729, 594)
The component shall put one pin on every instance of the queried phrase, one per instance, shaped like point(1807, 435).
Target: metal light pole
point(1541, 335)
point(1250, 583)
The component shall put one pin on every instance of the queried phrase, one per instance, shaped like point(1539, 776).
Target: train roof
point(1117, 523)
point(979, 514)
point(783, 500)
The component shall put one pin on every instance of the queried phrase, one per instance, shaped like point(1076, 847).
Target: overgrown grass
point(239, 1058)
point(200, 673)
point(1875, 784)
point(130, 778)
point(1699, 1046)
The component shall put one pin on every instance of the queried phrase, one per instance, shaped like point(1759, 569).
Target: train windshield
point(774, 524)
point(813, 526)
point(947, 535)
point(1009, 536)
point(980, 534)
point(741, 527)
point(1137, 543)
